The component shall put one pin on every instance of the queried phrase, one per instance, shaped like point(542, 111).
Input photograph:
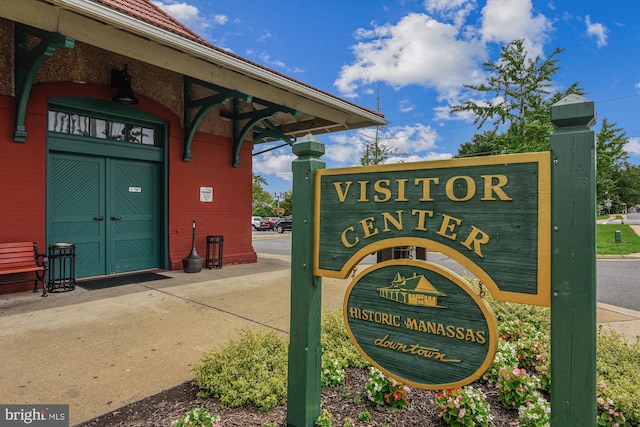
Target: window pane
point(79, 125)
point(58, 122)
point(99, 128)
point(116, 131)
point(148, 136)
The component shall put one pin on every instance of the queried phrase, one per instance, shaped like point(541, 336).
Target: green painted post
point(573, 264)
point(303, 401)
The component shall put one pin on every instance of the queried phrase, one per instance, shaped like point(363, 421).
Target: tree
point(481, 144)
point(629, 185)
point(611, 160)
point(377, 152)
point(261, 200)
point(287, 202)
point(521, 101)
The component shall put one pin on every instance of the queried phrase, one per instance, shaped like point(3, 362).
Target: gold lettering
point(345, 242)
point(448, 227)
point(476, 238)
point(342, 195)
point(426, 187)
point(387, 218)
point(382, 190)
point(460, 333)
point(368, 227)
point(451, 331)
point(401, 183)
point(480, 338)
point(411, 323)
point(421, 218)
point(490, 187)
point(470, 336)
point(471, 188)
point(396, 321)
point(431, 328)
point(363, 191)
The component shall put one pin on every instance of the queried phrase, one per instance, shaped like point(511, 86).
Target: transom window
point(82, 125)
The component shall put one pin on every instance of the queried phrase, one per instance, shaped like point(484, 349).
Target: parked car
point(268, 223)
point(283, 224)
point(255, 222)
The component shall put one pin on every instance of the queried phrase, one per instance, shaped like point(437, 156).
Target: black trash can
point(214, 252)
point(62, 267)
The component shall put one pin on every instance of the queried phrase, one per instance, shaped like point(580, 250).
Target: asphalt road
point(618, 281)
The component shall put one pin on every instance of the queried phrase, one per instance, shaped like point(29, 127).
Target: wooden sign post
point(573, 264)
point(523, 224)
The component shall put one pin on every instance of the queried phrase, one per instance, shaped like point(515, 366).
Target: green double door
point(109, 208)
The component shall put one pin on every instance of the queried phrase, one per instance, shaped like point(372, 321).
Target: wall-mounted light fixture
point(122, 80)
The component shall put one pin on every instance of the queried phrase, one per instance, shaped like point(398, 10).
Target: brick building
point(119, 126)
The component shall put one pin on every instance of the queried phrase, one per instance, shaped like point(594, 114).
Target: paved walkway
point(100, 350)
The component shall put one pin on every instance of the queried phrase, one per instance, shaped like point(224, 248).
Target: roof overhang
point(92, 23)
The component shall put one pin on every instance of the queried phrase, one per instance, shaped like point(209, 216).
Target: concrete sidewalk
point(100, 350)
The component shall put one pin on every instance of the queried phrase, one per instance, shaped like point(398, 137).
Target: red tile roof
point(148, 12)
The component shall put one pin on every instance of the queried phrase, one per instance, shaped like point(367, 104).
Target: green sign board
point(490, 214)
point(420, 323)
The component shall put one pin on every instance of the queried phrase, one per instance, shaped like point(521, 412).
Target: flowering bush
point(515, 386)
point(464, 407)
point(332, 374)
point(608, 414)
point(536, 412)
point(533, 355)
point(386, 391)
point(506, 355)
point(198, 417)
point(514, 330)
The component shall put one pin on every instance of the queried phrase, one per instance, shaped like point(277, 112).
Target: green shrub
point(249, 370)
point(324, 420)
point(335, 340)
point(332, 374)
point(200, 417)
point(618, 365)
point(539, 317)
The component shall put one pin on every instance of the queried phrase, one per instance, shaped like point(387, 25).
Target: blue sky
point(411, 58)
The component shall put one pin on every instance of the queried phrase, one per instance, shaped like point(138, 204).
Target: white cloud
point(596, 30)
point(276, 163)
point(453, 10)
point(413, 142)
point(266, 59)
point(417, 50)
point(506, 20)
point(442, 53)
point(406, 106)
point(633, 146)
point(190, 15)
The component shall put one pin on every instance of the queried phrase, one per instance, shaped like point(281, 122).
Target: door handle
point(116, 218)
point(99, 218)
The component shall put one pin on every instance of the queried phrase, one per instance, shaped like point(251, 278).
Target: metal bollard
point(618, 236)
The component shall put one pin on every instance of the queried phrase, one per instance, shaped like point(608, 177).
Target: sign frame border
point(543, 159)
point(489, 316)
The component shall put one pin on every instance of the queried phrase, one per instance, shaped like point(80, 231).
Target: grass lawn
point(605, 240)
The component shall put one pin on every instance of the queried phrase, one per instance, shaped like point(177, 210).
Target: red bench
point(21, 258)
